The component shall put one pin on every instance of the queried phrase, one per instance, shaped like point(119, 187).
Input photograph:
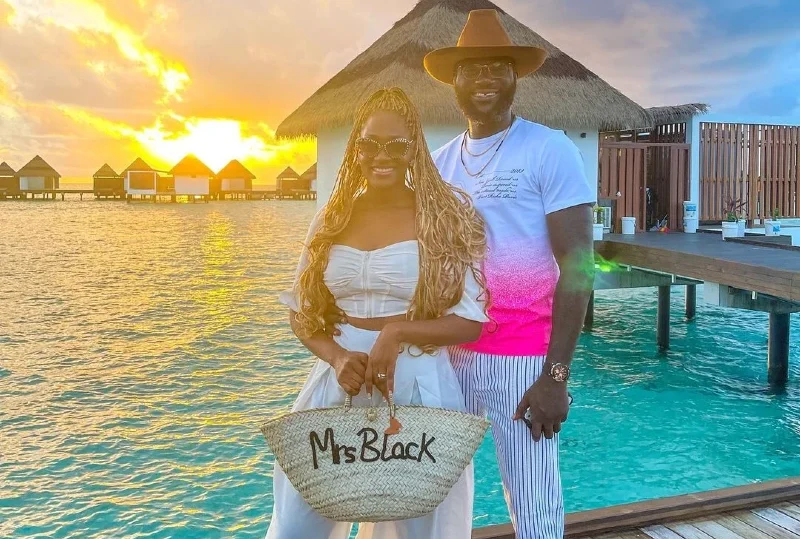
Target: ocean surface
point(141, 345)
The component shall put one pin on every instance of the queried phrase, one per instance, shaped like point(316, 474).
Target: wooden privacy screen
point(630, 168)
point(756, 164)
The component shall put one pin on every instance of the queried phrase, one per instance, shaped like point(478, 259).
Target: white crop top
point(381, 282)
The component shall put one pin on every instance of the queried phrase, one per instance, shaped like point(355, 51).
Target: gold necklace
point(463, 146)
point(487, 150)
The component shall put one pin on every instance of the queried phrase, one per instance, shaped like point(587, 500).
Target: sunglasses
point(396, 148)
point(496, 70)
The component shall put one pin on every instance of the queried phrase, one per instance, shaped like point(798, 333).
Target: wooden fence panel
point(756, 164)
point(631, 168)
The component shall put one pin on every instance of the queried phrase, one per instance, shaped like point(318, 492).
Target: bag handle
point(348, 404)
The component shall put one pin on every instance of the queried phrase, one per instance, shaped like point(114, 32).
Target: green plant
point(732, 209)
point(776, 213)
point(598, 214)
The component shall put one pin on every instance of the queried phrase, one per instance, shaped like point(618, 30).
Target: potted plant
point(772, 227)
point(598, 225)
point(731, 226)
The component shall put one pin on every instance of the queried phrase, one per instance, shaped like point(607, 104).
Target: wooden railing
point(628, 169)
point(758, 165)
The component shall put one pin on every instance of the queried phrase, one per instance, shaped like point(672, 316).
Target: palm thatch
point(38, 167)
point(138, 165)
point(310, 174)
point(289, 173)
point(6, 171)
point(562, 93)
point(235, 170)
point(675, 114)
point(105, 172)
point(191, 166)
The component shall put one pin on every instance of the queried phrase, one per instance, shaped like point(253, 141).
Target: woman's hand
point(350, 370)
point(382, 361)
point(333, 315)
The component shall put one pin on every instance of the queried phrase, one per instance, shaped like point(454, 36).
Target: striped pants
point(493, 386)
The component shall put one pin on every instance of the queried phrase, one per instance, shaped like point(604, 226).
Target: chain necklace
point(500, 145)
point(487, 150)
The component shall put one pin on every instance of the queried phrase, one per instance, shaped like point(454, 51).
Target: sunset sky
point(83, 82)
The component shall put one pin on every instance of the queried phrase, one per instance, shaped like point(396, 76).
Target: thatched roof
point(310, 174)
point(676, 114)
point(138, 165)
point(562, 93)
point(288, 173)
point(191, 166)
point(38, 167)
point(105, 172)
point(6, 170)
point(235, 169)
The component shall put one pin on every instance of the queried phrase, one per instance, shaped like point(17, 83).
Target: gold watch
point(559, 372)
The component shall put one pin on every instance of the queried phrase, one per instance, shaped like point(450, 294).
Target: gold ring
point(381, 376)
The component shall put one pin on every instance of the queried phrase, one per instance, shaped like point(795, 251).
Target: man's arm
point(567, 199)
point(570, 232)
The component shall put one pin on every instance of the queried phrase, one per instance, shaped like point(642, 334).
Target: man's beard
point(495, 115)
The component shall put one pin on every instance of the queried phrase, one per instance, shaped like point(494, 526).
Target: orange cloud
point(78, 15)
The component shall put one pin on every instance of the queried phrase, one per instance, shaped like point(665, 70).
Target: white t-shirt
point(533, 172)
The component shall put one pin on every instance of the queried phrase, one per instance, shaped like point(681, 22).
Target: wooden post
point(691, 301)
point(778, 349)
point(588, 320)
point(662, 326)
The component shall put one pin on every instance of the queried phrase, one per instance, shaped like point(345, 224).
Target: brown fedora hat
point(482, 37)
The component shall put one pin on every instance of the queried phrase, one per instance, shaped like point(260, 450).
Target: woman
point(397, 249)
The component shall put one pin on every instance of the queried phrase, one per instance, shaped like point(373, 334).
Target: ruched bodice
point(370, 284)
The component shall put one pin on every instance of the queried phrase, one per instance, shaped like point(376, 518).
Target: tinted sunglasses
point(496, 70)
point(396, 148)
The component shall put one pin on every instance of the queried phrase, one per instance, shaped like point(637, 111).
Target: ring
point(381, 376)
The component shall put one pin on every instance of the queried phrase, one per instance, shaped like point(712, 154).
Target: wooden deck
point(769, 510)
point(707, 257)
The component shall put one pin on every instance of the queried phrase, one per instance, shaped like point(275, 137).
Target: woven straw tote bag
point(354, 464)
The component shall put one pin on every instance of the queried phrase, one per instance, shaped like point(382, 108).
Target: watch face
point(559, 372)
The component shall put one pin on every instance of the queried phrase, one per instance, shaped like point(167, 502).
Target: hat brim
point(441, 63)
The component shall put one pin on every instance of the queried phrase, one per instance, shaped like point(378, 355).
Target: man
point(529, 184)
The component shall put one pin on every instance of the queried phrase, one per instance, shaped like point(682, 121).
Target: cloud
point(87, 15)
point(75, 67)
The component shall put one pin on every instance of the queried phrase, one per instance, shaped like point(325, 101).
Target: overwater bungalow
point(235, 178)
point(108, 184)
point(37, 176)
point(9, 184)
point(192, 177)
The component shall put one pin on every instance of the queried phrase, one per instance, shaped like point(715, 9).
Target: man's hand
point(350, 369)
point(548, 401)
point(333, 315)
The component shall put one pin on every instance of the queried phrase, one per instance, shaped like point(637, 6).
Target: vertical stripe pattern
point(493, 386)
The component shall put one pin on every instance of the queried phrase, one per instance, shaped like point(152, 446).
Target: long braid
point(451, 234)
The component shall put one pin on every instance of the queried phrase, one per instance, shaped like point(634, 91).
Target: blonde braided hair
point(450, 233)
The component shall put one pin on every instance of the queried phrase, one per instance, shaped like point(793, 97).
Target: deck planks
point(707, 257)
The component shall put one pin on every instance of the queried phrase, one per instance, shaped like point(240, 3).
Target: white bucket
point(597, 232)
point(689, 210)
point(730, 229)
point(690, 216)
point(629, 225)
point(772, 228)
point(741, 224)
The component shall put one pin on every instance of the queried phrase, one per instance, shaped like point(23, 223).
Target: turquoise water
point(141, 345)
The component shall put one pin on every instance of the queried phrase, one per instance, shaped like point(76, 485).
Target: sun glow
point(214, 141)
